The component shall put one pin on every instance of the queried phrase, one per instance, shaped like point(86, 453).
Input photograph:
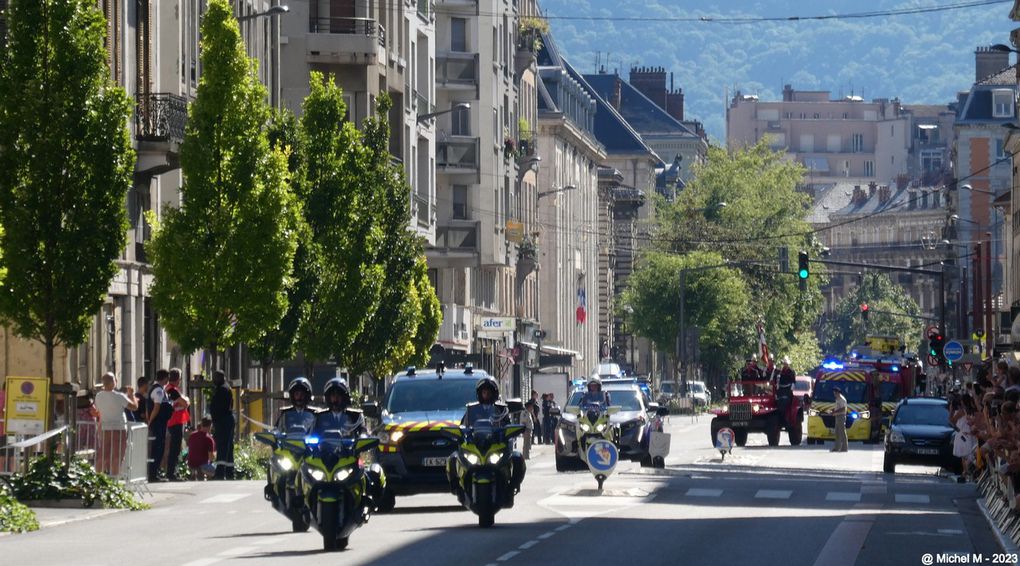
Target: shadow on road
point(247, 535)
point(284, 554)
point(424, 509)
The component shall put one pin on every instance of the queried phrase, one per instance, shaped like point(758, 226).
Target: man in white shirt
point(839, 416)
point(113, 422)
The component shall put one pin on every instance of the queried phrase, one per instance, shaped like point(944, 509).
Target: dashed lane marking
point(702, 492)
point(912, 498)
point(562, 528)
point(773, 494)
point(528, 545)
point(225, 498)
point(843, 496)
point(508, 556)
point(544, 536)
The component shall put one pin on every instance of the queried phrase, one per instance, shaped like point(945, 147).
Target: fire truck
point(752, 406)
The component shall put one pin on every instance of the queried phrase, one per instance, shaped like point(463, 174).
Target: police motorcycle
point(596, 437)
point(485, 472)
point(339, 488)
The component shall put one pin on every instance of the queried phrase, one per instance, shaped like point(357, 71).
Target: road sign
point(602, 457)
point(953, 350)
point(932, 360)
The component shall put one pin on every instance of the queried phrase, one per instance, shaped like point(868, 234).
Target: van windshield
point(430, 395)
point(854, 391)
point(697, 387)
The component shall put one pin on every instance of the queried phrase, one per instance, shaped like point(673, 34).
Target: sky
point(923, 58)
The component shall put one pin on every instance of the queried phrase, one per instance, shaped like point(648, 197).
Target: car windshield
point(666, 388)
point(625, 398)
point(801, 386)
point(928, 414)
point(430, 395)
point(854, 391)
point(890, 391)
point(697, 387)
point(750, 388)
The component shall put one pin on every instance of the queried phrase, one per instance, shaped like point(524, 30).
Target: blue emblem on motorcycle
point(440, 443)
point(602, 456)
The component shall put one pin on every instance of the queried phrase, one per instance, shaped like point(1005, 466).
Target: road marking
point(544, 536)
point(528, 545)
point(562, 528)
point(699, 492)
point(508, 556)
point(202, 562)
point(912, 498)
point(843, 496)
point(773, 494)
point(844, 544)
point(225, 498)
point(950, 532)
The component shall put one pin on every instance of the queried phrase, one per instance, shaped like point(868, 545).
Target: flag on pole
point(582, 305)
point(763, 347)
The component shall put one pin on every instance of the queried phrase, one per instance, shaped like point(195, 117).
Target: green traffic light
point(803, 273)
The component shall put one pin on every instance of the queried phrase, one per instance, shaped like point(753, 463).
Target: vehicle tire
point(486, 512)
point(889, 465)
point(772, 431)
point(562, 463)
point(740, 436)
point(389, 501)
point(300, 524)
point(795, 433)
point(328, 526)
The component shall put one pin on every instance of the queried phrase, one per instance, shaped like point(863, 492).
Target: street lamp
point(454, 108)
point(956, 218)
point(559, 190)
point(274, 11)
point(973, 190)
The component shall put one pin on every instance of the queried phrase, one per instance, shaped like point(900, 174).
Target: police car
point(418, 404)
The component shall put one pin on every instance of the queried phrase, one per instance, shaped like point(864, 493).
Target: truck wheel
point(741, 436)
point(772, 431)
point(795, 434)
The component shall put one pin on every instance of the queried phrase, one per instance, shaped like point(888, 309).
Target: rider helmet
point(339, 385)
point(487, 382)
point(300, 384)
point(594, 380)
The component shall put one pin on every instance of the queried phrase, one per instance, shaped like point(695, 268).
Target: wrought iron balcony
point(365, 27)
point(161, 117)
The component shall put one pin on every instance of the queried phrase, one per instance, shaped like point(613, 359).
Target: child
point(202, 451)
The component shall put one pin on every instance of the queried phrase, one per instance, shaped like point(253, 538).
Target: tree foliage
point(222, 262)
point(65, 167)
point(891, 313)
point(715, 302)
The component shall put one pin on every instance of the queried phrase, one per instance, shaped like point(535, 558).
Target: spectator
point(547, 419)
point(964, 443)
point(141, 414)
point(159, 415)
point(1013, 379)
point(113, 407)
point(175, 426)
point(535, 410)
point(87, 418)
point(202, 451)
point(221, 408)
point(1002, 373)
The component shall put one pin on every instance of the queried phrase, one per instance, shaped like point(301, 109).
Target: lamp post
point(559, 190)
point(454, 108)
point(274, 11)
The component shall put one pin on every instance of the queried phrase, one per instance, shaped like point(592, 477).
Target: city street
point(762, 505)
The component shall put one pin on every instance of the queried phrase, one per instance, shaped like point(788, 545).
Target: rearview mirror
point(364, 444)
point(370, 409)
point(572, 410)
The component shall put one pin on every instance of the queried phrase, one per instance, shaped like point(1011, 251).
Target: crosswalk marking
point(773, 494)
point(225, 498)
point(843, 496)
point(912, 498)
point(701, 492)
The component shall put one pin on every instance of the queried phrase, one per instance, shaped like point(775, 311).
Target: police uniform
point(600, 397)
point(349, 421)
point(293, 418)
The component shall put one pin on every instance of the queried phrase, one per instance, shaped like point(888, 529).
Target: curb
point(1004, 541)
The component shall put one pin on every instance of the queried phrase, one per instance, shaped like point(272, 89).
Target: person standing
point(157, 419)
point(112, 405)
point(547, 428)
point(142, 402)
point(535, 411)
point(221, 409)
point(839, 416)
point(175, 426)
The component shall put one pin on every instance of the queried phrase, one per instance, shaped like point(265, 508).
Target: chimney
point(987, 62)
point(651, 82)
point(787, 93)
point(883, 194)
point(675, 104)
point(858, 197)
point(617, 94)
point(872, 187)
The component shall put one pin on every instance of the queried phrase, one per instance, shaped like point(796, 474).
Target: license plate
point(438, 461)
point(741, 424)
point(926, 451)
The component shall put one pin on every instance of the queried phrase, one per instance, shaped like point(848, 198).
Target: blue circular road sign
point(953, 351)
point(602, 456)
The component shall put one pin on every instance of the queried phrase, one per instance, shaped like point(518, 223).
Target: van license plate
point(434, 462)
point(926, 451)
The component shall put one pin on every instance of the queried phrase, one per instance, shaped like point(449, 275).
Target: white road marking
point(950, 532)
point(773, 494)
point(912, 498)
point(528, 545)
point(843, 496)
point(508, 556)
point(562, 528)
point(202, 562)
point(700, 492)
point(225, 498)
point(544, 536)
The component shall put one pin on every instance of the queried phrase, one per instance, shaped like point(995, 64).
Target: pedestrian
point(87, 421)
point(535, 411)
point(113, 407)
point(529, 430)
point(547, 418)
point(1013, 379)
point(964, 442)
point(1002, 377)
point(144, 405)
point(202, 451)
point(839, 418)
point(175, 426)
point(159, 416)
point(221, 408)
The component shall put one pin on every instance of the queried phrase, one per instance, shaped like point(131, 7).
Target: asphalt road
point(761, 505)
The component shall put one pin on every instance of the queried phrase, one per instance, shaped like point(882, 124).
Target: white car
point(608, 369)
point(697, 391)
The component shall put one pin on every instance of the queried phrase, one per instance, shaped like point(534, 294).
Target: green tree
point(763, 211)
point(65, 168)
point(222, 262)
point(716, 302)
point(804, 351)
point(891, 313)
point(345, 236)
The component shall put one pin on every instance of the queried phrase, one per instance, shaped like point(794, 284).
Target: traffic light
point(803, 269)
point(936, 343)
point(864, 312)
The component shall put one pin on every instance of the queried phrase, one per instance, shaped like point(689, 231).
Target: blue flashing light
point(896, 368)
point(832, 364)
point(854, 354)
point(312, 440)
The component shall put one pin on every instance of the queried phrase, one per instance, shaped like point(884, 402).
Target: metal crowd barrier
point(15, 455)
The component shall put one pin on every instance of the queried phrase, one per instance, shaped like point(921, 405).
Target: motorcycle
point(338, 494)
point(281, 490)
point(597, 438)
point(485, 472)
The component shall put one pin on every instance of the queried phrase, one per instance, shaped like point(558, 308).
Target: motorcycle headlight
point(286, 464)
point(585, 427)
point(864, 414)
point(896, 437)
point(472, 459)
point(600, 428)
point(812, 413)
point(317, 475)
point(494, 458)
point(342, 475)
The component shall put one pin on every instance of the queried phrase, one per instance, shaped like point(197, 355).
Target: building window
point(869, 168)
point(460, 122)
point(458, 35)
point(856, 143)
point(931, 160)
point(1000, 150)
point(460, 202)
point(1002, 103)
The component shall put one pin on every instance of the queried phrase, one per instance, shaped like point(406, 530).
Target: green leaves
point(49, 478)
point(66, 164)
point(223, 261)
point(892, 313)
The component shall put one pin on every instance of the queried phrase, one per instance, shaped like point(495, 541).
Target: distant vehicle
point(643, 383)
point(697, 391)
point(667, 391)
point(920, 433)
point(608, 369)
point(803, 386)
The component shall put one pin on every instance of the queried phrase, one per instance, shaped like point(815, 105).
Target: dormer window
point(1002, 103)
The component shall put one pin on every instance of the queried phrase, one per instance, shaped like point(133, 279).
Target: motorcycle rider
point(595, 394)
point(490, 408)
point(298, 415)
point(339, 416)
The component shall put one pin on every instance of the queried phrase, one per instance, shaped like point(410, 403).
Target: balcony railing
point(457, 153)
point(458, 237)
point(457, 69)
point(349, 26)
point(423, 214)
point(424, 105)
point(161, 117)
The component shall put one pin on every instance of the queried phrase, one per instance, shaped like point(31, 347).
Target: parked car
point(636, 421)
point(803, 386)
point(920, 433)
point(667, 392)
point(697, 391)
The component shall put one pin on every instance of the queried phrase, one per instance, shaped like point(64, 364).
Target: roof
point(828, 201)
point(976, 105)
point(425, 374)
point(926, 110)
point(899, 200)
point(1005, 77)
point(640, 112)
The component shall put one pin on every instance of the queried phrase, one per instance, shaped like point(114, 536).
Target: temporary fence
point(18, 450)
point(1001, 500)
